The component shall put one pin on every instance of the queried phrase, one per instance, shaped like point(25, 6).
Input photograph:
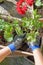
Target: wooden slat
point(12, 18)
point(41, 19)
point(1, 46)
point(19, 53)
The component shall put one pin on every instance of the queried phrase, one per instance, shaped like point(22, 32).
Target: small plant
point(17, 27)
point(32, 24)
point(8, 29)
point(29, 25)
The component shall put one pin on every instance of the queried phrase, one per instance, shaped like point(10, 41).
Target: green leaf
point(1, 24)
point(17, 27)
point(7, 28)
point(8, 36)
point(8, 33)
point(31, 37)
point(38, 3)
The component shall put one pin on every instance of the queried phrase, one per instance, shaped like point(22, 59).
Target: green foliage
point(7, 28)
point(1, 24)
point(17, 27)
point(32, 36)
point(38, 3)
point(32, 24)
point(8, 33)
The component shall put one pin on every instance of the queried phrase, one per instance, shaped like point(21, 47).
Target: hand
point(36, 44)
point(17, 42)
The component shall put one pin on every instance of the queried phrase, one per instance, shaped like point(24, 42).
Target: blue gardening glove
point(17, 42)
point(35, 45)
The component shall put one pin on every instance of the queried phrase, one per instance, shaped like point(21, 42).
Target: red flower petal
point(24, 8)
point(30, 2)
point(20, 11)
point(20, 2)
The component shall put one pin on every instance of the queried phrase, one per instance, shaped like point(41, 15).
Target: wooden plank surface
point(19, 53)
point(41, 19)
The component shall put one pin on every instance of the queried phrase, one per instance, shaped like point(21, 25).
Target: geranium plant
point(32, 26)
point(22, 8)
point(8, 29)
point(29, 25)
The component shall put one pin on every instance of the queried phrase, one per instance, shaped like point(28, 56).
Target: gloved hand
point(17, 42)
point(36, 44)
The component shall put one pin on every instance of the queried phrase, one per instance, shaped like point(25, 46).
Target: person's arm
point(38, 57)
point(36, 52)
point(4, 53)
point(12, 47)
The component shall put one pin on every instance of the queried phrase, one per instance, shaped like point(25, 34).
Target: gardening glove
point(17, 42)
point(36, 44)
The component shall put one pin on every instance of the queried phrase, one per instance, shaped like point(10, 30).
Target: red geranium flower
point(20, 2)
point(20, 10)
point(24, 8)
point(30, 2)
